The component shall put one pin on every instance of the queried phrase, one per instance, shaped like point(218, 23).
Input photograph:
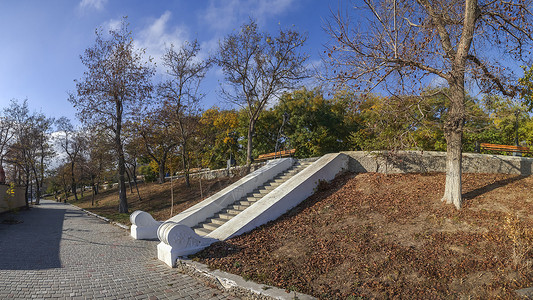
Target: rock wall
point(431, 161)
point(221, 173)
point(9, 202)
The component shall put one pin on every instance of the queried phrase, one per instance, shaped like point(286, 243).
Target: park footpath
point(57, 251)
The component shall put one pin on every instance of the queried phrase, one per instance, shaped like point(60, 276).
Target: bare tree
point(258, 67)
point(117, 80)
point(30, 148)
point(132, 149)
point(403, 45)
point(62, 173)
point(185, 71)
point(99, 153)
point(7, 133)
point(42, 150)
point(72, 142)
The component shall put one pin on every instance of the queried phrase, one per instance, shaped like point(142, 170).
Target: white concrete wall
point(284, 197)
point(207, 208)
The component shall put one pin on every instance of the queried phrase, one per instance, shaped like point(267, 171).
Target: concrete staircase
point(235, 208)
point(257, 198)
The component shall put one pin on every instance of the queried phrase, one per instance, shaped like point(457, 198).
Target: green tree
point(506, 116)
point(414, 122)
point(314, 125)
point(158, 130)
point(219, 134)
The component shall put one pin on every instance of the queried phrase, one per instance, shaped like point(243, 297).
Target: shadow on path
point(34, 243)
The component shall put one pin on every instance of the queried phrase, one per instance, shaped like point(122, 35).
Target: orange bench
point(505, 148)
point(278, 154)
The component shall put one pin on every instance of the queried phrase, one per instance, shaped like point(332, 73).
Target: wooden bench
point(505, 148)
point(278, 154)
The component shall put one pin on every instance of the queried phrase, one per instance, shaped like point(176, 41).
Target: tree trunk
point(129, 180)
point(161, 178)
point(185, 162)
point(251, 129)
point(123, 204)
point(93, 193)
point(134, 175)
point(38, 185)
point(73, 181)
point(93, 190)
point(41, 173)
point(137, 188)
point(453, 187)
point(453, 130)
point(123, 201)
point(65, 189)
point(26, 191)
point(31, 193)
point(37, 193)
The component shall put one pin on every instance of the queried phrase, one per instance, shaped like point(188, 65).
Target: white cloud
point(272, 7)
point(113, 24)
point(96, 4)
point(159, 35)
point(222, 15)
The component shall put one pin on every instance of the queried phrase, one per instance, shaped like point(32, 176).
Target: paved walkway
point(60, 252)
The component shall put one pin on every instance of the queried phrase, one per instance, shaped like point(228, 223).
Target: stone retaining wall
point(431, 161)
point(8, 202)
point(221, 173)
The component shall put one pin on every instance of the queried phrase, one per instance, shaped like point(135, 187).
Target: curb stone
point(234, 284)
point(126, 227)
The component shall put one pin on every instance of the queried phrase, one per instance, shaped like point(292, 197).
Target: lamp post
point(280, 133)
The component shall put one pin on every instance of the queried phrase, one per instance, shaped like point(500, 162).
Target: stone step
point(256, 195)
point(232, 211)
point(202, 231)
point(245, 202)
point(271, 184)
point(226, 216)
point(218, 221)
point(269, 188)
point(238, 207)
point(261, 190)
point(209, 226)
point(251, 198)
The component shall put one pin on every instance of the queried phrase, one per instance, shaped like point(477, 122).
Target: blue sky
point(41, 41)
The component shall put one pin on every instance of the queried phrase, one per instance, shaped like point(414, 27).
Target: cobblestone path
point(59, 252)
